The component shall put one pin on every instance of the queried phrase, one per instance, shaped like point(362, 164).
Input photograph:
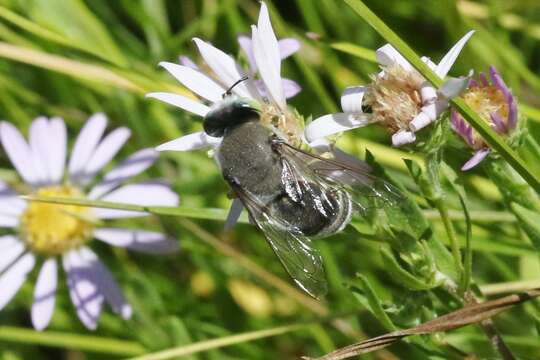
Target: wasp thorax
point(285, 122)
point(394, 97)
point(53, 229)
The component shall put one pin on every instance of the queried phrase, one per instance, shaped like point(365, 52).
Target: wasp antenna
point(229, 90)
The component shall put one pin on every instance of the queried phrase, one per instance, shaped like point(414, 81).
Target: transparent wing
point(293, 248)
point(366, 190)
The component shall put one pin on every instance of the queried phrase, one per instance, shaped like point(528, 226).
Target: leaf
point(402, 276)
point(529, 221)
point(374, 303)
point(467, 315)
point(355, 50)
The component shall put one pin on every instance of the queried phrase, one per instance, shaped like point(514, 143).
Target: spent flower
point(55, 232)
point(399, 98)
point(494, 102)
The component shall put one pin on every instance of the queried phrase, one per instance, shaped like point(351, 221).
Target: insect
point(291, 195)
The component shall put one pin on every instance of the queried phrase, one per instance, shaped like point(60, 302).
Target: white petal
point(85, 294)
point(44, 294)
point(351, 99)
point(224, 66)
point(428, 93)
point(57, 150)
point(195, 81)
point(403, 137)
point(106, 150)
point(476, 159)
point(9, 221)
point(132, 166)
point(320, 145)
point(19, 152)
point(450, 58)
point(138, 240)
point(388, 55)
point(11, 204)
point(245, 44)
point(108, 287)
point(234, 213)
point(335, 123)
point(13, 278)
point(180, 101)
point(38, 139)
point(454, 87)
point(144, 194)
point(195, 141)
point(7, 241)
point(86, 142)
point(269, 65)
point(10, 252)
point(287, 47)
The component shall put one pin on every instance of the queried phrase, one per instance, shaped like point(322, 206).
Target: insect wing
point(367, 191)
point(294, 249)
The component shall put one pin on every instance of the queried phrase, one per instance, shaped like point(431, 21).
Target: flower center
point(394, 97)
point(53, 229)
point(485, 100)
point(286, 123)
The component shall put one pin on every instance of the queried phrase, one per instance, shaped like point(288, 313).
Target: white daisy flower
point(399, 97)
point(52, 233)
point(265, 54)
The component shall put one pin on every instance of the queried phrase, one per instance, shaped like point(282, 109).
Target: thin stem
point(450, 232)
point(71, 341)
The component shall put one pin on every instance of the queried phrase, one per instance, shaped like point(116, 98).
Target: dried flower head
point(495, 104)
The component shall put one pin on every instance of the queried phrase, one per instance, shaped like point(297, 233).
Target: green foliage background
point(72, 58)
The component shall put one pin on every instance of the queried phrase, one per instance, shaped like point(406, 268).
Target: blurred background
point(71, 58)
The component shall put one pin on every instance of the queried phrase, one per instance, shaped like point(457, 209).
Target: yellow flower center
point(286, 123)
point(485, 100)
point(53, 229)
point(394, 97)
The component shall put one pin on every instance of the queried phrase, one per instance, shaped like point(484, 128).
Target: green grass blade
point(70, 341)
point(489, 135)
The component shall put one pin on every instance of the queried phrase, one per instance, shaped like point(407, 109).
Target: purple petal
point(138, 240)
point(13, 278)
point(290, 88)
point(186, 61)
point(132, 166)
point(476, 159)
point(84, 291)
point(144, 194)
point(44, 295)
point(461, 127)
point(473, 83)
point(497, 122)
point(107, 285)
point(288, 47)
point(246, 46)
point(483, 79)
point(18, 152)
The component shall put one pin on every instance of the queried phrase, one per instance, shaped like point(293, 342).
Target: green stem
point(452, 237)
point(70, 341)
point(488, 134)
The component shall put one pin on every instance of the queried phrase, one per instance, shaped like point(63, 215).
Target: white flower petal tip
point(180, 101)
point(427, 115)
point(18, 152)
point(234, 214)
point(450, 58)
point(195, 81)
point(14, 277)
point(428, 93)
point(454, 87)
point(195, 141)
point(86, 142)
point(44, 295)
point(387, 55)
point(403, 138)
point(476, 159)
point(334, 123)
point(351, 99)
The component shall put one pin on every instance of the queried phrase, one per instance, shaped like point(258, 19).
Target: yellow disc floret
point(52, 229)
point(284, 122)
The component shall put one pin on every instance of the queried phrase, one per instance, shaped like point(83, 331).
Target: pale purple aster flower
point(265, 54)
point(495, 104)
point(52, 232)
point(266, 57)
point(399, 98)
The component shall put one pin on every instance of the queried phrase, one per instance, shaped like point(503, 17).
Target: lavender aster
point(495, 104)
point(54, 232)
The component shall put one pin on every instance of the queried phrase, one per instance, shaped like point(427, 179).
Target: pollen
point(53, 229)
point(394, 97)
point(285, 123)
